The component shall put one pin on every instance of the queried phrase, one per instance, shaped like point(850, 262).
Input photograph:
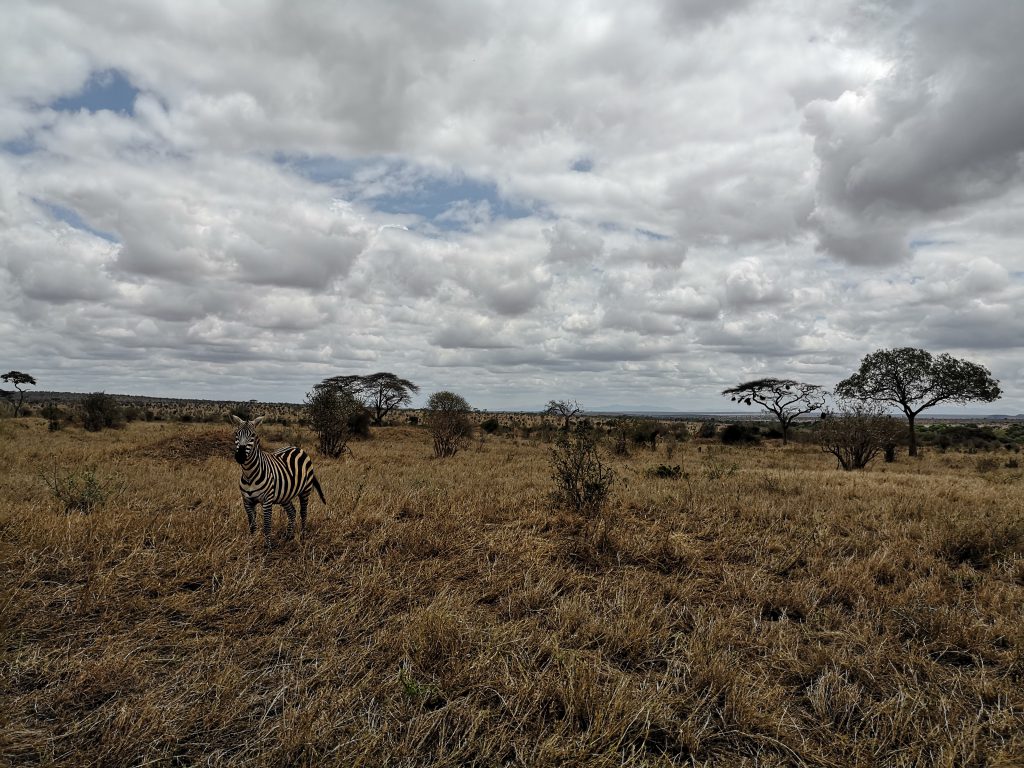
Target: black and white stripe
point(272, 478)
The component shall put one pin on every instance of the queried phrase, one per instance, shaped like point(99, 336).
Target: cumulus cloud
point(516, 203)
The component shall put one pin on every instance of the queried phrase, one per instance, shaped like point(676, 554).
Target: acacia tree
point(18, 379)
point(915, 380)
point(786, 399)
point(380, 392)
point(564, 409)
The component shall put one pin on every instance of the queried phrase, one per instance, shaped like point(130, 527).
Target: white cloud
point(523, 202)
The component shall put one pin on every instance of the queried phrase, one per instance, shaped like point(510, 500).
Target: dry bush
point(778, 613)
point(857, 433)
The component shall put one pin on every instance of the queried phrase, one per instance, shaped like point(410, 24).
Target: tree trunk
point(785, 431)
point(913, 435)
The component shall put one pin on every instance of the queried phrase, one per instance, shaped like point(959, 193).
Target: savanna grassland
point(762, 609)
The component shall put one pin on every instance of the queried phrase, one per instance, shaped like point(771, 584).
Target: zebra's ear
point(257, 421)
point(237, 420)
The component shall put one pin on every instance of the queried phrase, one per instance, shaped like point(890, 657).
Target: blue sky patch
point(919, 243)
point(431, 197)
point(71, 217)
point(23, 146)
point(418, 191)
point(107, 89)
point(323, 169)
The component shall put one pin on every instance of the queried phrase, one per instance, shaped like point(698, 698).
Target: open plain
point(763, 608)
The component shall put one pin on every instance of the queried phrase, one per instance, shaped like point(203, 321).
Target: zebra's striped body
point(272, 478)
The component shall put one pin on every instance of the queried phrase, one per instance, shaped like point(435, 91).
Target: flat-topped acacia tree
point(914, 380)
point(786, 399)
point(18, 379)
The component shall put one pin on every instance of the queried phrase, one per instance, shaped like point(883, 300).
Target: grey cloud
point(57, 266)
point(572, 244)
point(687, 302)
point(470, 332)
point(976, 326)
point(645, 323)
point(940, 132)
point(689, 12)
point(653, 253)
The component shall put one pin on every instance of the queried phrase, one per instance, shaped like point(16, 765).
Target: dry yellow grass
point(765, 610)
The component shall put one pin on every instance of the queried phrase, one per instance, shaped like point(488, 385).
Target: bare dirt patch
point(193, 446)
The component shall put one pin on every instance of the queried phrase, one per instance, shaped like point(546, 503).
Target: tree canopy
point(786, 399)
point(914, 380)
point(380, 392)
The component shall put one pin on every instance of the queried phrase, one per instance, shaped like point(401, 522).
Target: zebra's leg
point(267, 509)
point(250, 512)
point(303, 505)
point(290, 509)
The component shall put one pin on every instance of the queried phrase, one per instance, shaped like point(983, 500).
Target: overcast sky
point(623, 203)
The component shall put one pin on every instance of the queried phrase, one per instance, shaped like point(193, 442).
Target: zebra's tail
point(319, 490)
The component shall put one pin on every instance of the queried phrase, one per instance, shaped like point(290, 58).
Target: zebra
point(272, 478)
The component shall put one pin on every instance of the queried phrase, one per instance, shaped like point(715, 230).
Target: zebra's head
point(246, 439)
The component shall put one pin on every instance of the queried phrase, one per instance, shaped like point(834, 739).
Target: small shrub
point(858, 433)
point(332, 413)
point(665, 472)
point(715, 470)
point(1012, 464)
point(621, 429)
point(242, 411)
point(358, 422)
point(490, 426)
point(448, 421)
point(80, 490)
point(582, 480)
point(738, 434)
point(707, 430)
point(99, 411)
point(986, 464)
point(670, 443)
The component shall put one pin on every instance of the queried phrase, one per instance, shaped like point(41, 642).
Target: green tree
point(100, 410)
point(448, 422)
point(786, 399)
point(380, 392)
point(18, 379)
point(914, 380)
